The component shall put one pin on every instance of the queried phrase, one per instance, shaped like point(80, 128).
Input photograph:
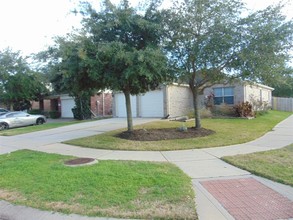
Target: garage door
point(152, 104)
point(121, 106)
point(67, 103)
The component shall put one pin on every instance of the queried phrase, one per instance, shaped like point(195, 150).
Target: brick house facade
point(101, 105)
point(176, 100)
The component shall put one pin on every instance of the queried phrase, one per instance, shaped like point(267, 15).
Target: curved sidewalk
point(202, 165)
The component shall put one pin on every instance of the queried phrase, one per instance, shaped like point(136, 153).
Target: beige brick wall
point(178, 100)
point(245, 92)
point(258, 93)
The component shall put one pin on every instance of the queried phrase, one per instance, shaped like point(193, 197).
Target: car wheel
point(4, 126)
point(40, 121)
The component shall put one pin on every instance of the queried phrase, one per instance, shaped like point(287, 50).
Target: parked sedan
point(3, 110)
point(20, 119)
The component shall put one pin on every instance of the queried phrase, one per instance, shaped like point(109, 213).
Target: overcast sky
point(29, 25)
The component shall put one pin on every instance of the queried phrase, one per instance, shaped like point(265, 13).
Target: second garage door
point(152, 104)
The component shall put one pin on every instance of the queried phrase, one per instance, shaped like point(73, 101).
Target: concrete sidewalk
point(200, 164)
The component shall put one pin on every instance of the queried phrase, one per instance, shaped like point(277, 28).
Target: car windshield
point(16, 114)
point(3, 110)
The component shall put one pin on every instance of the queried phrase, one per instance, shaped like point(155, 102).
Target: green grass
point(276, 165)
point(33, 128)
point(227, 132)
point(109, 188)
point(46, 126)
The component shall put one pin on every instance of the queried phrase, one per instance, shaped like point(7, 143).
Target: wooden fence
point(283, 104)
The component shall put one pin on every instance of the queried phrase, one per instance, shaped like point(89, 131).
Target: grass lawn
point(123, 189)
point(46, 126)
point(276, 165)
point(33, 128)
point(228, 132)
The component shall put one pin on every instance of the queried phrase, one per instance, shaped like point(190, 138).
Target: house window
point(224, 95)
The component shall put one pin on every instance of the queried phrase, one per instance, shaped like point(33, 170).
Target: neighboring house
point(50, 103)
point(101, 105)
point(176, 100)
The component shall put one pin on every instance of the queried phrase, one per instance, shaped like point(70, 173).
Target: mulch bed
point(164, 134)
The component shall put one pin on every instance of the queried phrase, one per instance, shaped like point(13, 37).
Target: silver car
point(20, 119)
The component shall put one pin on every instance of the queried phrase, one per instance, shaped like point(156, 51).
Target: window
point(224, 95)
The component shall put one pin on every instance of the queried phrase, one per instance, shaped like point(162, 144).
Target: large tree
point(124, 48)
point(69, 73)
point(209, 41)
point(284, 86)
point(19, 84)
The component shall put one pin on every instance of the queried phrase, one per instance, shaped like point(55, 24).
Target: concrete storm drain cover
point(80, 162)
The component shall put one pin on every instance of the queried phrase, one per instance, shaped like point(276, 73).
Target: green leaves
point(19, 84)
point(208, 41)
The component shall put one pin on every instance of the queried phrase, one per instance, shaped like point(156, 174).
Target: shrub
point(35, 112)
point(259, 107)
point(204, 113)
point(54, 114)
point(244, 109)
point(82, 111)
point(224, 110)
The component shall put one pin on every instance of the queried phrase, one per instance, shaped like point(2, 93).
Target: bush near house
point(35, 112)
point(54, 114)
point(244, 109)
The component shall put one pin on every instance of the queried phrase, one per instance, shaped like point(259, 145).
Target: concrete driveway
point(37, 140)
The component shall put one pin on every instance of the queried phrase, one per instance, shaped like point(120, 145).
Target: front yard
point(227, 132)
point(128, 189)
point(124, 189)
point(34, 128)
point(276, 165)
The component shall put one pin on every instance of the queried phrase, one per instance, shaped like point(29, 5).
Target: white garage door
point(121, 106)
point(152, 104)
point(67, 103)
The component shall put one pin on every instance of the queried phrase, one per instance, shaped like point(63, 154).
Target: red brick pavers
point(246, 198)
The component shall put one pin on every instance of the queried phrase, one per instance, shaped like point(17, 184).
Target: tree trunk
point(196, 107)
point(128, 111)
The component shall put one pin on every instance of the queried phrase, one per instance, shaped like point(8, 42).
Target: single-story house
point(101, 105)
point(240, 92)
point(176, 100)
point(168, 99)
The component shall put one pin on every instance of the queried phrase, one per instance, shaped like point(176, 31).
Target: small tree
point(69, 73)
point(125, 49)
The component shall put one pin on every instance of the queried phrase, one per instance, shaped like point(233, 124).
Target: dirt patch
point(11, 196)
point(164, 134)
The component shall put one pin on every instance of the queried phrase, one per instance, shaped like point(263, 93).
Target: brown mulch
point(79, 161)
point(164, 134)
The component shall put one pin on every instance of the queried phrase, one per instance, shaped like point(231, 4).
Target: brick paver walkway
point(246, 198)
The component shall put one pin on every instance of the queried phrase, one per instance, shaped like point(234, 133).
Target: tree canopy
point(125, 48)
point(19, 84)
point(118, 49)
point(209, 41)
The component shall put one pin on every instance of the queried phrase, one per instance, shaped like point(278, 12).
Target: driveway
point(37, 140)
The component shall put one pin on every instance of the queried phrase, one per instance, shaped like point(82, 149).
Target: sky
point(30, 25)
